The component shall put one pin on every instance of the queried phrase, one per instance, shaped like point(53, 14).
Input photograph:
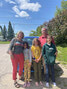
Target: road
point(6, 81)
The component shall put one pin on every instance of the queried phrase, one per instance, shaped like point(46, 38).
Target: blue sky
point(27, 15)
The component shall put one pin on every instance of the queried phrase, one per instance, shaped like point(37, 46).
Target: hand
point(30, 64)
point(11, 54)
point(37, 60)
point(56, 54)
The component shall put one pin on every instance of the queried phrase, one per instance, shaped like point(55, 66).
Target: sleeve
point(11, 45)
point(30, 55)
point(31, 48)
point(54, 48)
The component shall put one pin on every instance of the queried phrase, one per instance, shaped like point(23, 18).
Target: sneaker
point(25, 84)
point(36, 83)
point(28, 84)
point(47, 84)
point(54, 83)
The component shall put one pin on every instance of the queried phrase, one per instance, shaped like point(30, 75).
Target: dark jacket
point(48, 52)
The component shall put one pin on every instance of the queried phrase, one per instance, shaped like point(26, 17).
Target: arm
point(10, 47)
point(30, 55)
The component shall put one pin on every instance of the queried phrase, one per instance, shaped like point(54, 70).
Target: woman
point(16, 54)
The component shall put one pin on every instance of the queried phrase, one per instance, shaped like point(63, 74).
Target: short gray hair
point(44, 28)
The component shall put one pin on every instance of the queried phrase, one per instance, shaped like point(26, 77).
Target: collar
point(44, 36)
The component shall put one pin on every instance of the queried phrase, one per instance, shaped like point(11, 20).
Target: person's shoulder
point(32, 46)
point(44, 44)
point(40, 37)
point(14, 39)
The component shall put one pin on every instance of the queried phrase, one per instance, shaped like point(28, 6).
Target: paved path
point(6, 81)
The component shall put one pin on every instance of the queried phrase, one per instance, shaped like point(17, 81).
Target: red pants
point(18, 59)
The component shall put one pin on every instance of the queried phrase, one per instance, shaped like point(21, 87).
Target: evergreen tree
point(1, 31)
point(10, 31)
point(4, 32)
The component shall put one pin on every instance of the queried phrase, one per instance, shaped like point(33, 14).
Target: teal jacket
point(48, 52)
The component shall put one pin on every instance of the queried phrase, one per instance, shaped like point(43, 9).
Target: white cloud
point(22, 5)
point(20, 13)
point(10, 1)
point(1, 4)
point(26, 5)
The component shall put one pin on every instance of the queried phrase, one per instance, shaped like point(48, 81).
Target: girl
point(27, 64)
point(17, 57)
point(36, 54)
point(49, 54)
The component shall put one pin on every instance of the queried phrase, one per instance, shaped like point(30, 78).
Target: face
point(36, 42)
point(25, 45)
point(49, 39)
point(44, 31)
point(20, 36)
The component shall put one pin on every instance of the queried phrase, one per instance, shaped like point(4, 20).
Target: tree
point(4, 32)
point(10, 31)
point(63, 7)
point(1, 30)
point(33, 33)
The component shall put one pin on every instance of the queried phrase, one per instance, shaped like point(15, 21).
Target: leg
point(39, 71)
point(35, 71)
point(14, 64)
point(21, 64)
point(44, 66)
point(52, 72)
point(29, 72)
point(25, 70)
point(47, 73)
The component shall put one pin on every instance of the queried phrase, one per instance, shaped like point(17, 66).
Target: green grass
point(62, 54)
point(4, 42)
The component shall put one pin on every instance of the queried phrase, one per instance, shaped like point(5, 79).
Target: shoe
point(36, 83)
point(25, 85)
point(41, 83)
point(54, 83)
point(28, 84)
point(47, 84)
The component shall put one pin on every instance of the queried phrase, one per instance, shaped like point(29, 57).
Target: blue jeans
point(52, 72)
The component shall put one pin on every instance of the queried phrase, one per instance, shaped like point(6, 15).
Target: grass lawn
point(62, 54)
point(4, 42)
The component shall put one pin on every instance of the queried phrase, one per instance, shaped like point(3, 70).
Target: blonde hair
point(19, 33)
point(33, 42)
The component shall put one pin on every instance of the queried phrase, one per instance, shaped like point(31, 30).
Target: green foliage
point(4, 32)
point(63, 7)
point(58, 27)
point(10, 31)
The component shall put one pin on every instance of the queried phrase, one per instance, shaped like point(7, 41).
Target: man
point(42, 40)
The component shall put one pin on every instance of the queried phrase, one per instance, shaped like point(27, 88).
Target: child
point(27, 64)
point(36, 54)
point(49, 54)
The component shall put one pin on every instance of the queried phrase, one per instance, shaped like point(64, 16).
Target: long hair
point(25, 42)
point(33, 42)
point(19, 33)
